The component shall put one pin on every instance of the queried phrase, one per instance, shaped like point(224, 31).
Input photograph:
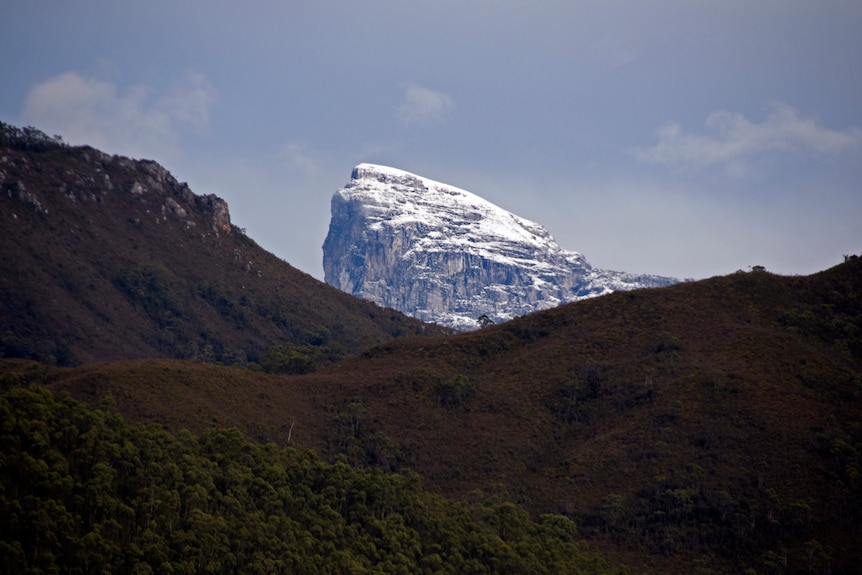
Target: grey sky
point(686, 138)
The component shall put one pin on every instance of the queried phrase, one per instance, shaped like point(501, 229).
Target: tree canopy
point(85, 492)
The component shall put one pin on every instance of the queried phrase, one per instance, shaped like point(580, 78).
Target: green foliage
point(298, 359)
point(455, 391)
point(28, 139)
point(352, 436)
point(575, 399)
point(149, 289)
point(83, 492)
point(44, 351)
point(677, 514)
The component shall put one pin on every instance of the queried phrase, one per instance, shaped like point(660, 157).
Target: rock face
point(445, 255)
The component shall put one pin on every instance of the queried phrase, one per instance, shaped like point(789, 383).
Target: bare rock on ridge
point(445, 255)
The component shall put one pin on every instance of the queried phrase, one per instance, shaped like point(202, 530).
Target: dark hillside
point(104, 258)
point(83, 492)
point(713, 425)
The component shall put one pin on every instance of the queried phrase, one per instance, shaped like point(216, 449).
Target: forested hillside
point(83, 492)
point(103, 257)
point(713, 425)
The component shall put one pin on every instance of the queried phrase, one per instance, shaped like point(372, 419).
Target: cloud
point(424, 106)
point(136, 122)
point(300, 158)
point(734, 140)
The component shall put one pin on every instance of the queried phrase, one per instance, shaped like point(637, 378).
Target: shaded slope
point(85, 492)
point(103, 257)
point(714, 419)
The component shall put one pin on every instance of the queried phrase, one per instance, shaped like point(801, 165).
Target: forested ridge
point(712, 427)
point(104, 257)
point(85, 492)
point(709, 427)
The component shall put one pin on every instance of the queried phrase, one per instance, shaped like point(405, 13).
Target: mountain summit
point(443, 254)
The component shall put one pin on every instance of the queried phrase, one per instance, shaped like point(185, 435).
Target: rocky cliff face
point(92, 177)
point(445, 255)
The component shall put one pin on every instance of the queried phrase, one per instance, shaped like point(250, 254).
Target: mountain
point(445, 255)
point(103, 257)
point(703, 427)
point(711, 426)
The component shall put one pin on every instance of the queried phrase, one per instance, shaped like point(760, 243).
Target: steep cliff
point(443, 254)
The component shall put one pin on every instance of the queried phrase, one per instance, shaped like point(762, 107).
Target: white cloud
point(134, 122)
point(734, 140)
point(300, 158)
point(424, 106)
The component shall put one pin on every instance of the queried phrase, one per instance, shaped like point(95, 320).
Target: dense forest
point(84, 492)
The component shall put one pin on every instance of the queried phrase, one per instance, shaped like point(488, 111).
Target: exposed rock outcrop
point(443, 254)
point(86, 178)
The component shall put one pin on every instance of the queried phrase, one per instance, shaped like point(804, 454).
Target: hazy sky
point(677, 137)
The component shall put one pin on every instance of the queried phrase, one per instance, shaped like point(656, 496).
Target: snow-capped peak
point(443, 254)
point(456, 217)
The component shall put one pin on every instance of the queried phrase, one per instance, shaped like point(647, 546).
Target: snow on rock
point(446, 255)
